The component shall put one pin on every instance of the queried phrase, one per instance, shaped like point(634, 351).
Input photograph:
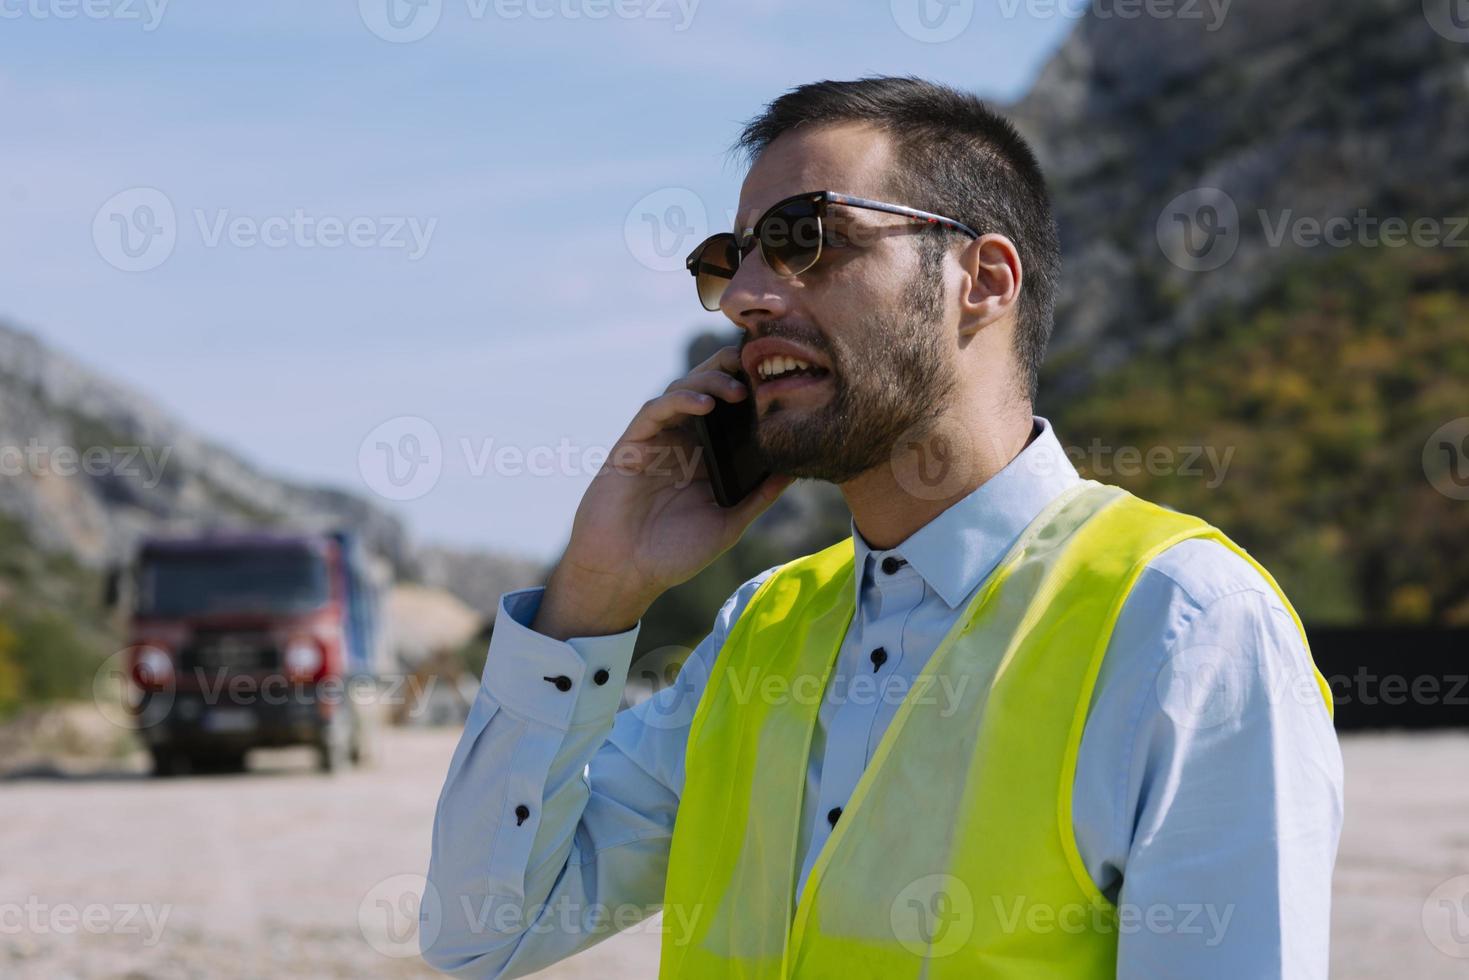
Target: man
point(1018, 725)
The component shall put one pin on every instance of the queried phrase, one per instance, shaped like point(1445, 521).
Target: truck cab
point(246, 640)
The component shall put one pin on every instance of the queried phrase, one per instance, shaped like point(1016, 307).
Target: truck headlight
point(152, 668)
point(303, 659)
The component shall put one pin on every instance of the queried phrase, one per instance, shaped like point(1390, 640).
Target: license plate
point(229, 720)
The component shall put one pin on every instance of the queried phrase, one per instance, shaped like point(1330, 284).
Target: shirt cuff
point(561, 683)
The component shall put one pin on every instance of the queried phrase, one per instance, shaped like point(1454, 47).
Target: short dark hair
point(959, 158)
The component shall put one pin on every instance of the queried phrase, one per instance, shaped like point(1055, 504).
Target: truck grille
point(230, 653)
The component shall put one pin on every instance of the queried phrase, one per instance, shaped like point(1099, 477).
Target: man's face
point(869, 317)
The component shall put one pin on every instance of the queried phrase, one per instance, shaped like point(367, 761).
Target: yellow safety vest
point(955, 856)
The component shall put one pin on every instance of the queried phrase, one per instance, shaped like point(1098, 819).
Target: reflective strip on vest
point(955, 856)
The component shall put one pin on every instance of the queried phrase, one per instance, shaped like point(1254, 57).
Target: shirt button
point(891, 564)
point(522, 812)
point(879, 657)
point(833, 815)
point(562, 682)
point(601, 676)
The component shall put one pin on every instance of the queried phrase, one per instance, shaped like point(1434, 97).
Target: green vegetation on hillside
point(54, 630)
point(1325, 391)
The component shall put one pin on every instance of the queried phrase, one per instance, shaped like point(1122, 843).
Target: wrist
point(581, 602)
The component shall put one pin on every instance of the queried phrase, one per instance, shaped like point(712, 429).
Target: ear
point(992, 276)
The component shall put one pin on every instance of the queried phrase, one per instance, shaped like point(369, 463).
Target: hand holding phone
point(731, 456)
point(647, 523)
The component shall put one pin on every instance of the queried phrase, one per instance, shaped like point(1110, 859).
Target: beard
point(892, 378)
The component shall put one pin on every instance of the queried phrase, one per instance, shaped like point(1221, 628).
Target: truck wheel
point(338, 747)
point(331, 755)
point(362, 741)
point(166, 762)
point(333, 751)
point(222, 762)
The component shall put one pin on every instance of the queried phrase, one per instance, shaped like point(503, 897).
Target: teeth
point(775, 366)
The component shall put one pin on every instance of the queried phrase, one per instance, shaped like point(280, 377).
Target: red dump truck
point(246, 640)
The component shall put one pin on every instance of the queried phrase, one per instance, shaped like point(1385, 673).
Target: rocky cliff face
point(1308, 109)
point(88, 466)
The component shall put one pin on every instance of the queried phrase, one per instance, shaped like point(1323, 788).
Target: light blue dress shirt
point(1208, 792)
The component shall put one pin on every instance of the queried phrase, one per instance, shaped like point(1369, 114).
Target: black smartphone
point(727, 438)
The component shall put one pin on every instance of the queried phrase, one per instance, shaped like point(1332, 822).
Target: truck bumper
point(191, 721)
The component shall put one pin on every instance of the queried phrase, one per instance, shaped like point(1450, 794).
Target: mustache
point(795, 333)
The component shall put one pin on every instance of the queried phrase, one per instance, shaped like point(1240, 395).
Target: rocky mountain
point(88, 466)
point(1190, 155)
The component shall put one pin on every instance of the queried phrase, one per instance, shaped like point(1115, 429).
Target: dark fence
point(1391, 677)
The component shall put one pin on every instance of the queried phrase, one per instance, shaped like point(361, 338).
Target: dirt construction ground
point(286, 873)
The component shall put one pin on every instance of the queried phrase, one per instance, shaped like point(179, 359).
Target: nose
point(756, 293)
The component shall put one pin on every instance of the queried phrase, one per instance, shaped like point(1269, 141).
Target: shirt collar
point(956, 550)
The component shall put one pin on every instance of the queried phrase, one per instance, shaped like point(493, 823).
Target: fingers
point(666, 410)
point(712, 383)
point(726, 359)
point(693, 394)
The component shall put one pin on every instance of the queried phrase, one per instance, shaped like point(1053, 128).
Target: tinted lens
point(790, 237)
point(714, 265)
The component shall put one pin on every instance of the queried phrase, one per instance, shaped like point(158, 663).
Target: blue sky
point(370, 229)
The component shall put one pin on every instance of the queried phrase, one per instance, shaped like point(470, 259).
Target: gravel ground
point(285, 873)
point(1401, 903)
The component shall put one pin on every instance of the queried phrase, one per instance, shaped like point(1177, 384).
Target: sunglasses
point(790, 235)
